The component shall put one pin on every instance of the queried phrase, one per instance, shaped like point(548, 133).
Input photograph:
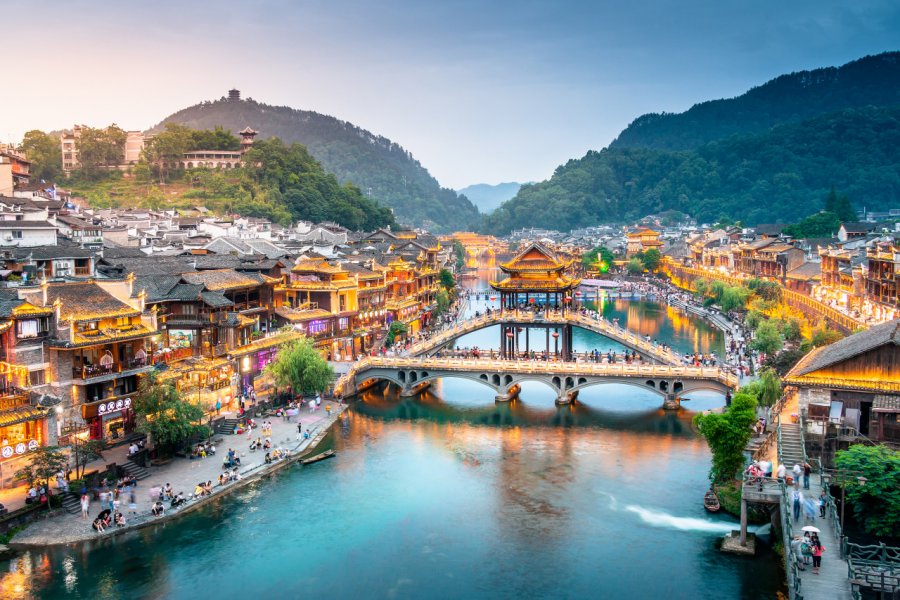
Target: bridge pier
point(566, 398)
point(672, 402)
point(413, 390)
point(511, 394)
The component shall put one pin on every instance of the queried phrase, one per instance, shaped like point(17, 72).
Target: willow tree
point(299, 366)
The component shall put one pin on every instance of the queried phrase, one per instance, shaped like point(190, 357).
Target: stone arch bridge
point(505, 377)
point(512, 321)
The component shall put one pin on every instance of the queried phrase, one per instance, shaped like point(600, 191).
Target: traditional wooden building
point(536, 278)
point(855, 382)
point(641, 240)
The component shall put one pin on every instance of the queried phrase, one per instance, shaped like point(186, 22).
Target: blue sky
point(477, 91)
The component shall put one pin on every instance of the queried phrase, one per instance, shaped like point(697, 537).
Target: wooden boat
point(322, 456)
point(711, 501)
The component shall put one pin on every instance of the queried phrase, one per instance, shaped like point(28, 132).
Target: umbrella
point(104, 513)
point(811, 529)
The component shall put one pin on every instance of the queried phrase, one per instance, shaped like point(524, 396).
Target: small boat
point(322, 456)
point(711, 501)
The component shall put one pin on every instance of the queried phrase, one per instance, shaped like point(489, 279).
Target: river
point(450, 495)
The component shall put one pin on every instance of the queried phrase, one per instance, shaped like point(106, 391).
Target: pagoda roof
point(559, 283)
point(535, 257)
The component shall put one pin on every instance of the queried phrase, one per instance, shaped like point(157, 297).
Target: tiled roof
point(806, 271)
point(20, 414)
point(890, 404)
point(224, 279)
point(86, 301)
point(215, 299)
point(841, 350)
point(298, 316)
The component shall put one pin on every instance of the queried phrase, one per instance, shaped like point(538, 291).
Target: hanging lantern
point(567, 299)
point(531, 300)
point(493, 298)
point(555, 335)
point(578, 294)
point(509, 334)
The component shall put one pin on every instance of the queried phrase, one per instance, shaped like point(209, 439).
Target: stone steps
point(135, 470)
point(71, 503)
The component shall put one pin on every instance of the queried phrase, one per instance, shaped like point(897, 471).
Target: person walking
point(817, 550)
point(823, 504)
point(85, 505)
point(797, 497)
point(781, 472)
point(807, 471)
point(798, 471)
point(218, 407)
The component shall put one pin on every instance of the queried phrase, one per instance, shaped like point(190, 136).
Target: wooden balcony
point(95, 371)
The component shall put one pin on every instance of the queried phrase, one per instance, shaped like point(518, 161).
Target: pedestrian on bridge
point(797, 497)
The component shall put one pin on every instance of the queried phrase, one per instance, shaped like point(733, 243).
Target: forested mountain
point(487, 197)
point(777, 176)
point(869, 81)
point(382, 169)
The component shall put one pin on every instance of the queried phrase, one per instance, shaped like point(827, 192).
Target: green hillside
point(780, 175)
point(869, 81)
point(382, 169)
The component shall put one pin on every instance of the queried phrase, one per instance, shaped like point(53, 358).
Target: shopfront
point(109, 419)
point(22, 431)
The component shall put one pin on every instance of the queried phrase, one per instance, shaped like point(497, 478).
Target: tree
point(734, 298)
point(46, 462)
point(701, 286)
point(767, 290)
point(770, 387)
point(785, 360)
point(600, 258)
point(635, 266)
point(823, 336)
point(83, 452)
point(727, 434)
point(876, 504)
point(397, 328)
point(442, 298)
point(447, 280)
point(790, 329)
point(300, 367)
point(100, 148)
point(651, 259)
point(165, 416)
point(459, 251)
point(45, 154)
point(767, 339)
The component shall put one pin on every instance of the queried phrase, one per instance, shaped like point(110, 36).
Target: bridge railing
point(539, 367)
point(598, 325)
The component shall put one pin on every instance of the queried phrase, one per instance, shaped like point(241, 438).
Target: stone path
point(832, 582)
point(184, 474)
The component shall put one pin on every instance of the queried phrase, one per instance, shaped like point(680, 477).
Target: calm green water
point(447, 495)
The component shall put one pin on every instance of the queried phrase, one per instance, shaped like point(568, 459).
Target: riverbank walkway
point(184, 474)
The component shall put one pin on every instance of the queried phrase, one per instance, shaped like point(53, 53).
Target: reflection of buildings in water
point(639, 320)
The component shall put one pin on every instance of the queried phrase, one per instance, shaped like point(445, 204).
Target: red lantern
point(531, 300)
point(555, 334)
point(509, 334)
point(493, 298)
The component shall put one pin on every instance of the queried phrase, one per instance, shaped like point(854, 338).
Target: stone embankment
point(70, 529)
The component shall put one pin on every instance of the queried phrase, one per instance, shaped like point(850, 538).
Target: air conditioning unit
point(8, 237)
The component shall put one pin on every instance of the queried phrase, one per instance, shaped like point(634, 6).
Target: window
point(37, 377)
point(16, 234)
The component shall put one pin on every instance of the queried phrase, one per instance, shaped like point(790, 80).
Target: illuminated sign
point(104, 407)
point(20, 448)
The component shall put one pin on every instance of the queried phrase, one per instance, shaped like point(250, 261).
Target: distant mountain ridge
point(487, 197)
point(792, 98)
point(382, 169)
point(770, 155)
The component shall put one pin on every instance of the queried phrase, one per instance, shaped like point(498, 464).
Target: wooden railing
point(600, 326)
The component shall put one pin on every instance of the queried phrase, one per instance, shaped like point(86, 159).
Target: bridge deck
point(601, 326)
point(539, 368)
